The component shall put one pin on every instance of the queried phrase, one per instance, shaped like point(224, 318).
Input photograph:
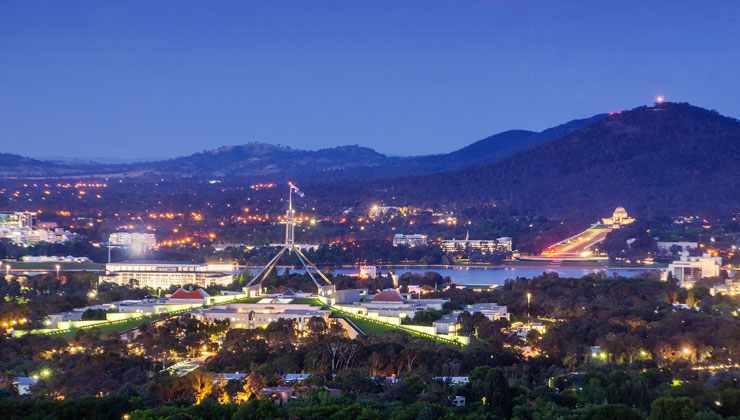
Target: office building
point(688, 270)
point(729, 287)
point(138, 242)
point(409, 240)
point(164, 274)
point(492, 311)
point(483, 246)
point(17, 219)
point(259, 315)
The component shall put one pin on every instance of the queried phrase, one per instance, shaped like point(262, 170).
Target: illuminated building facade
point(619, 218)
point(409, 240)
point(484, 246)
point(138, 242)
point(17, 220)
point(688, 270)
point(163, 275)
point(729, 287)
point(259, 315)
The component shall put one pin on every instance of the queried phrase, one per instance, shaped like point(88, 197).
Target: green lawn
point(107, 328)
point(242, 300)
point(307, 301)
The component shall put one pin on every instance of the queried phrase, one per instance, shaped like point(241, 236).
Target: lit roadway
point(579, 245)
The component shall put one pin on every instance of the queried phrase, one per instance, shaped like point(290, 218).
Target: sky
point(156, 78)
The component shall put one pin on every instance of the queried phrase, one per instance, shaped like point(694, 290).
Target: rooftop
point(390, 295)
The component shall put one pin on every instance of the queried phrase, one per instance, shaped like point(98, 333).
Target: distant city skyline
point(145, 80)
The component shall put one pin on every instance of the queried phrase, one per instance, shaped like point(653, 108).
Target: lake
point(489, 276)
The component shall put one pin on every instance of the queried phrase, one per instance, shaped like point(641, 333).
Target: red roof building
point(390, 295)
point(197, 294)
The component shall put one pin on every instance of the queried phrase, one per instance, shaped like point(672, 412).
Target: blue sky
point(140, 79)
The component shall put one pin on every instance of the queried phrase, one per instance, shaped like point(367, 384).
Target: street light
point(7, 269)
point(58, 267)
point(529, 300)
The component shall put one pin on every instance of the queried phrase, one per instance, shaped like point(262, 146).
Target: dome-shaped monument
point(619, 218)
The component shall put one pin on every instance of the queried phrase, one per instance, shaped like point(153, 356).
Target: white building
point(688, 270)
point(23, 384)
point(484, 246)
point(400, 239)
point(138, 242)
point(390, 303)
point(492, 311)
point(619, 218)
point(53, 258)
point(164, 274)
point(17, 219)
point(259, 315)
point(729, 287)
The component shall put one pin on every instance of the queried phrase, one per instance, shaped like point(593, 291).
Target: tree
point(669, 408)
point(497, 393)
point(252, 386)
point(201, 384)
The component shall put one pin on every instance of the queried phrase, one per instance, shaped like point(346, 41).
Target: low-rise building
point(138, 242)
point(259, 315)
point(417, 239)
point(688, 270)
point(165, 274)
point(483, 246)
point(53, 258)
point(449, 324)
point(729, 287)
point(23, 384)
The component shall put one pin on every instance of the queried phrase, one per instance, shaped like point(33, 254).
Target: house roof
point(389, 295)
point(184, 294)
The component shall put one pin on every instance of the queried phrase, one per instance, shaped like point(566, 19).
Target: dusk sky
point(143, 79)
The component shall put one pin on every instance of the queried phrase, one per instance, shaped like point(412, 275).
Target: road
point(579, 245)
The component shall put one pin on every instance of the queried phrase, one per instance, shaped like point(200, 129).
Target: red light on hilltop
point(611, 113)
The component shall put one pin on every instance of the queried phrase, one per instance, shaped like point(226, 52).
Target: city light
point(659, 99)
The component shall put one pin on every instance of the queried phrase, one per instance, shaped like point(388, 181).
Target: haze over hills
point(270, 162)
point(669, 159)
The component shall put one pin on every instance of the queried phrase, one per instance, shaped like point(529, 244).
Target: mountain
point(483, 151)
point(15, 166)
point(261, 161)
point(673, 158)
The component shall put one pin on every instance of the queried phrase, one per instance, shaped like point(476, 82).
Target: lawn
point(307, 301)
point(366, 327)
point(107, 328)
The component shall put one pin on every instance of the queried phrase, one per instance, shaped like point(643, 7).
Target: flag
point(295, 189)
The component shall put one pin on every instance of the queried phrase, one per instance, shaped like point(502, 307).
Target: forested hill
point(672, 158)
point(266, 162)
